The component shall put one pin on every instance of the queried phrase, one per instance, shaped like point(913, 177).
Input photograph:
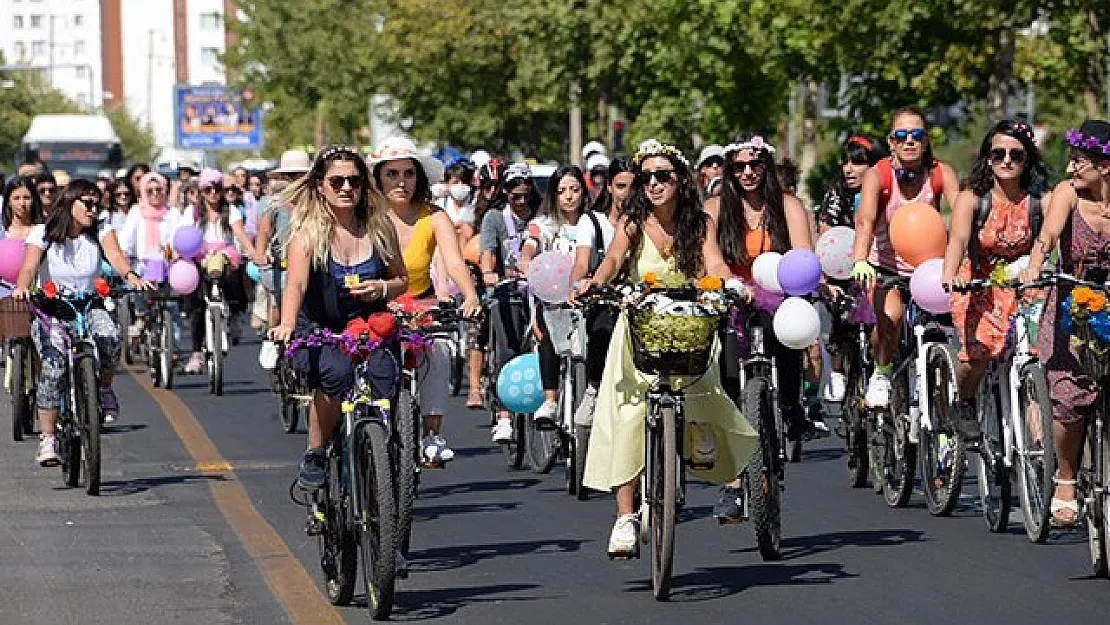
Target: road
point(195, 526)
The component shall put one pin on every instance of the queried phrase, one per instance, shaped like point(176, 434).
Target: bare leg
point(477, 360)
point(433, 423)
point(322, 419)
point(1069, 440)
point(968, 376)
point(888, 331)
point(47, 419)
point(626, 497)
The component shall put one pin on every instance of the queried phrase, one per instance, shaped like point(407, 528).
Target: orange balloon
point(472, 251)
point(917, 233)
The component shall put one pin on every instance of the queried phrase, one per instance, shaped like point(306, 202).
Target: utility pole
point(150, 77)
point(575, 125)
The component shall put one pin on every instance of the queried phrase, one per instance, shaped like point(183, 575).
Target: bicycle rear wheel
point(407, 418)
point(1036, 455)
point(21, 406)
point(1097, 465)
point(853, 415)
point(542, 445)
point(88, 422)
point(942, 450)
point(338, 545)
point(216, 356)
point(377, 529)
point(664, 504)
point(764, 494)
point(166, 350)
point(290, 413)
point(898, 460)
point(993, 477)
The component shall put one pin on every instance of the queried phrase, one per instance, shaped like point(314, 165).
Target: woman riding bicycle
point(994, 222)
point(665, 232)
point(344, 263)
point(491, 194)
point(146, 235)
point(22, 209)
point(119, 204)
point(426, 236)
point(67, 250)
point(1079, 219)
point(910, 175)
point(754, 215)
point(456, 198)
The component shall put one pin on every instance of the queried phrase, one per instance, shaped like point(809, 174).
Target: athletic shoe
point(730, 505)
point(624, 539)
point(878, 391)
point(503, 431)
point(195, 366)
point(313, 471)
point(546, 414)
point(109, 405)
point(48, 452)
point(584, 414)
point(836, 388)
point(436, 451)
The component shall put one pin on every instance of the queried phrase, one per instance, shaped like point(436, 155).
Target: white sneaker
point(703, 448)
point(503, 431)
point(546, 413)
point(623, 540)
point(584, 414)
point(48, 452)
point(836, 388)
point(436, 451)
point(878, 391)
point(196, 363)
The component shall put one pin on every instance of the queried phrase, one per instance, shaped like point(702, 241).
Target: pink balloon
point(548, 276)
point(927, 288)
point(11, 259)
point(184, 277)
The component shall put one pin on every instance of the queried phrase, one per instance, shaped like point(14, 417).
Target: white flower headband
point(754, 144)
point(653, 147)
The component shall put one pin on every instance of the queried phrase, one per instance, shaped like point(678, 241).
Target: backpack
point(983, 210)
point(598, 252)
point(885, 169)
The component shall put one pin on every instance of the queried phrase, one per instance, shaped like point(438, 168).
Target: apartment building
point(60, 39)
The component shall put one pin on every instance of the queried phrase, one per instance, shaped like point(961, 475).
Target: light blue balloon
point(253, 272)
point(106, 268)
point(515, 394)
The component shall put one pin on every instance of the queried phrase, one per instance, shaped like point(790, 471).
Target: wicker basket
point(15, 318)
point(1094, 354)
point(672, 344)
point(567, 327)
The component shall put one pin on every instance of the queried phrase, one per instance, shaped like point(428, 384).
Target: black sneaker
point(730, 506)
point(798, 427)
point(313, 470)
point(967, 422)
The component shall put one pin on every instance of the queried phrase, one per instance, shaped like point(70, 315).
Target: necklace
point(347, 259)
point(668, 241)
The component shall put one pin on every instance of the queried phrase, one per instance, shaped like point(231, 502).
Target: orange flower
point(650, 279)
point(710, 283)
point(1087, 300)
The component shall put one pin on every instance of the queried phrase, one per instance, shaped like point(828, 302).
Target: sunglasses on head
point(337, 182)
point(998, 155)
point(900, 135)
point(662, 175)
point(756, 166)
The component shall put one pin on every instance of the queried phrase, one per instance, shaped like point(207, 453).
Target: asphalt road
point(196, 526)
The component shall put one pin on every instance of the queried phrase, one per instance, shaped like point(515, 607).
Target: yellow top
point(418, 254)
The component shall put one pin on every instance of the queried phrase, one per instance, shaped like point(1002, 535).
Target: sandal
point(1059, 505)
point(474, 402)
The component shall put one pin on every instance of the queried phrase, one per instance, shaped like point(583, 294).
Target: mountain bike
point(852, 340)
point(354, 515)
point(511, 299)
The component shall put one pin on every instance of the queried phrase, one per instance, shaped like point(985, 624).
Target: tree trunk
point(1092, 74)
point(318, 135)
point(1001, 77)
point(808, 156)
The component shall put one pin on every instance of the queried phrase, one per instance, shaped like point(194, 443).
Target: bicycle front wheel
point(338, 546)
point(377, 527)
point(762, 478)
point(664, 504)
point(542, 445)
point(408, 468)
point(88, 422)
point(898, 460)
point(17, 358)
point(942, 450)
point(166, 350)
point(216, 364)
point(123, 318)
point(993, 477)
point(1036, 455)
point(1097, 466)
point(854, 416)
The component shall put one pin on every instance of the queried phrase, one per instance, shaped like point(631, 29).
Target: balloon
point(917, 233)
point(184, 277)
point(927, 289)
point(799, 272)
point(11, 259)
point(253, 272)
point(797, 324)
point(154, 269)
point(472, 251)
point(106, 268)
point(187, 241)
point(765, 271)
point(834, 250)
point(518, 385)
point(452, 288)
point(549, 276)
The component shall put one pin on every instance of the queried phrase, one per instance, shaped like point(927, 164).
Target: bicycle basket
point(567, 328)
point(15, 318)
point(1094, 354)
point(672, 342)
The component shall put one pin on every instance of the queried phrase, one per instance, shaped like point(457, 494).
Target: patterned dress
point(1073, 392)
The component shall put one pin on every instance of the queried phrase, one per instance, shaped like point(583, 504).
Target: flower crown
point(653, 147)
point(331, 151)
point(1021, 128)
point(754, 144)
point(1075, 139)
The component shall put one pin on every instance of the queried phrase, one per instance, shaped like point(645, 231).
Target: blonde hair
point(314, 220)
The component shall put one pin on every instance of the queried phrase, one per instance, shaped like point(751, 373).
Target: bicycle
point(510, 294)
point(568, 442)
point(21, 362)
point(854, 346)
point(920, 415)
point(1013, 391)
point(157, 341)
point(216, 342)
point(79, 416)
point(357, 503)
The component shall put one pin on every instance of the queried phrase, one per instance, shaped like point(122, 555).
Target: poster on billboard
point(217, 117)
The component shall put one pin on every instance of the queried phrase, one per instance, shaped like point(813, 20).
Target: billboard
point(216, 118)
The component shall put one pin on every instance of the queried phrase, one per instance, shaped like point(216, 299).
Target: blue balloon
point(253, 272)
point(518, 385)
point(106, 268)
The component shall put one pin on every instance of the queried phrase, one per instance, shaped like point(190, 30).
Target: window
point(38, 48)
point(210, 56)
point(78, 47)
point(36, 21)
point(211, 21)
point(82, 72)
point(83, 99)
point(20, 50)
point(17, 21)
point(78, 20)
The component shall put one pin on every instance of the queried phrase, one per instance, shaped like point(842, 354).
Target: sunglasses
point(337, 182)
point(900, 135)
point(90, 203)
point(714, 161)
point(859, 160)
point(518, 197)
point(755, 166)
point(212, 189)
point(48, 189)
point(998, 155)
point(662, 175)
point(123, 194)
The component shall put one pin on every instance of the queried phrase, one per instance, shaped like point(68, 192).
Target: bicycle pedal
point(700, 466)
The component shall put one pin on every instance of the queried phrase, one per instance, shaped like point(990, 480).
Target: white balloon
point(1014, 269)
point(797, 324)
point(834, 250)
point(765, 271)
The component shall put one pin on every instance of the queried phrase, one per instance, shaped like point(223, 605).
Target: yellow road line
point(287, 579)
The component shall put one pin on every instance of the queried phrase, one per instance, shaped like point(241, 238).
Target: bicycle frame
point(761, 364)
point(213, 299)
point(660, 396)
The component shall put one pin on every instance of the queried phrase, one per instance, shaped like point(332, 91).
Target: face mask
point(439, 190)
point(460, 192)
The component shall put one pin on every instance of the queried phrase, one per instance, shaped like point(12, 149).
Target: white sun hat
point(293, 162)
point(400, 148)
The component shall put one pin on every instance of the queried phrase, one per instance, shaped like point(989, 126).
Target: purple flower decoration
point(1106, 148)
point(1074, 137)
point(1091, 143)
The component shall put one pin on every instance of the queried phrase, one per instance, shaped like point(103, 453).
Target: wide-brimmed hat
point(400, 148)
point(293, 162)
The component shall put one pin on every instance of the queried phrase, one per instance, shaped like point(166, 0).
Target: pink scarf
point(152, 216)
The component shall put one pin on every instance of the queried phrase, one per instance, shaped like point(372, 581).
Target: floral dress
point(616, 453)
point(1072, 391)
point(982, 318)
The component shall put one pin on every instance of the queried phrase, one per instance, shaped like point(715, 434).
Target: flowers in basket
point(1084, 316)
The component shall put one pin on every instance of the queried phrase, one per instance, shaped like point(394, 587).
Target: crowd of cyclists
point(350, 234)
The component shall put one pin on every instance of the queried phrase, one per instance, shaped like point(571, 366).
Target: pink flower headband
point(755, 144)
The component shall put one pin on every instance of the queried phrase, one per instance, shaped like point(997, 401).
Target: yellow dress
point(418, 255)
point(616, 453)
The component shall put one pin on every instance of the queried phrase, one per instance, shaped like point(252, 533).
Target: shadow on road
point(447, 490)
point(711, 583)
point(422, 605)
point(122, 488)
point(826, 454)
point(474, 452)
point(107, 430)
point(448, 558)
point(429, 513)
point(795, 547)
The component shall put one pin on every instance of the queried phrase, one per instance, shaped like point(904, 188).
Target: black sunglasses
point(859, 160)
point(900, 135)
point(713, 161)
point(756, 166)
point(90, 202)
point(998, 155)
point(337, 182)
point(518, 197)
point(662, 175)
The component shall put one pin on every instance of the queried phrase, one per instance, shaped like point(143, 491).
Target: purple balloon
point(184, 277)
point(188, 241)
point(154, 270)
point(799, 272)
point(927, 288)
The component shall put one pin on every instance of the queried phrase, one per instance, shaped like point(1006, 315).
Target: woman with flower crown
point(1078, 218)
point(663, 236)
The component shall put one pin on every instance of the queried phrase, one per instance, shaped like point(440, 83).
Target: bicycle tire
point(69, 447)
point(338, 545)
point(1102, 505)
point(993, 477)
point(941, 451)
point(377, 530)
point(123, 318)
point(1037, 467)
point(88, 422)
point(166, 350)
point(541, 446)
point(664, 503)
point(856, 432)
point(409, 457)
point(581, 450)
point(764, 494)
point(17, 357)
point(290, 414)
point(216, 373)
point(458, 366)
point(899, 460)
